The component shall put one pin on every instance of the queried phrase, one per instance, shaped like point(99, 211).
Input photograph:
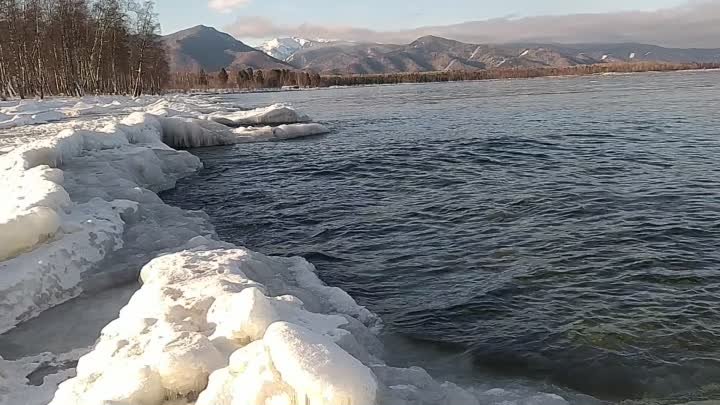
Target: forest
point(79, 47)
point(249, 79)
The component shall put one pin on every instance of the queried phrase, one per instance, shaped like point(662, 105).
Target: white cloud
point(695, 24)
point(226, 6)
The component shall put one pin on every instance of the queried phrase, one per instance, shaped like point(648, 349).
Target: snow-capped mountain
point(284, 48)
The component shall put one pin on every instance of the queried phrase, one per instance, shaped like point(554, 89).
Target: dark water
point(565, 230)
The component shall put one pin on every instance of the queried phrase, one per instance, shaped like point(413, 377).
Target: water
point(562, 230)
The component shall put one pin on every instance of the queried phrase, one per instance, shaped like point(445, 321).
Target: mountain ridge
point(206, 48)
point(203, 47)
point(283, 48)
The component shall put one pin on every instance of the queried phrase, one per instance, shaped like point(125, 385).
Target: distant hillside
point(206, 48)
point(437, 54)
point(631, 52)
point(425, 54)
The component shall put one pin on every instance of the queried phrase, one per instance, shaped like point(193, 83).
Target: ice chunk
point(28, 212)
point(273, 115)
point(194, 133)
point(281, 132)
point(253, 313)
point(199, 325)
point(291, 365)
point(19, 120)
point(319, 370)
point(14, 385)
point(50, 274)
point(27, 229)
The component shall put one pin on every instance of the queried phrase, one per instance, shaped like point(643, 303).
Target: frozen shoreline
point(84, 214)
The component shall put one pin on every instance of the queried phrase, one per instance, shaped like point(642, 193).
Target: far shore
point(387, 79)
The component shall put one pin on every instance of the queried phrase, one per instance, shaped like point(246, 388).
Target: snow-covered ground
point(212, 323)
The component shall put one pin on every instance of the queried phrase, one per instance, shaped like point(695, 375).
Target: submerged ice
point(213, 323)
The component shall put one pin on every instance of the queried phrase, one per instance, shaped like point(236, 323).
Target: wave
point(209, 316)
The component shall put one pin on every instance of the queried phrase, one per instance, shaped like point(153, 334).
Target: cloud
point(226, 6)
point(263, 27)
point(694, 24)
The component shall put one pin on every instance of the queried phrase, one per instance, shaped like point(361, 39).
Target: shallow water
point(563, 230)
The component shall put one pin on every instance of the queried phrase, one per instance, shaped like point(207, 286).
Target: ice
point(281, 132)
point(26, 229)
point(254, 313)
point(275, 114)
point(63, 239)
point(220, 324)
point(30, 119)
point(50, 273)
point(318, 369)
point(15, 387)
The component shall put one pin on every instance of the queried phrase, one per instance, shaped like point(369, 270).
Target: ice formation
point(273, 115)
point(48, 239)
point(212, 324)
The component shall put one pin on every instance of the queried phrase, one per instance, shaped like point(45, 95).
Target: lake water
point(562, 230)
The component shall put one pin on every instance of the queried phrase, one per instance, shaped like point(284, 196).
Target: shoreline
point(673, 68)
point(180, 330)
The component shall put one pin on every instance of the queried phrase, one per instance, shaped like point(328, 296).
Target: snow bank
point(31, 112)
point(28, 213)
point(29, 119)
point(73, 199)
point(47, 240)
point(216, 325)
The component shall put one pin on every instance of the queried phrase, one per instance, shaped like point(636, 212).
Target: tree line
point(78, 47)
point(511, 73)
point(249, 79)
point(245, 79)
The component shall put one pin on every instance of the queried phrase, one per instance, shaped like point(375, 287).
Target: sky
point(380, 14)
point(253, 21)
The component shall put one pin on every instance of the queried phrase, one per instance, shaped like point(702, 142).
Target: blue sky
point(382, 15)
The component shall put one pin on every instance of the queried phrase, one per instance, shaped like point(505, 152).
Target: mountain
point(283, 48)
point(206, 48)
point(432, 53)
point(632, 52)
point(428, 53)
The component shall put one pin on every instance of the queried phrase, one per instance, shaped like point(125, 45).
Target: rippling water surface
point(563, 230)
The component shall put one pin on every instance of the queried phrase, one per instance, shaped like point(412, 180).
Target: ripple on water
point(570, 235)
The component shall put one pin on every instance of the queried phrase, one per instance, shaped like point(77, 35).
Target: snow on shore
point(49, 239)
point(213, 323)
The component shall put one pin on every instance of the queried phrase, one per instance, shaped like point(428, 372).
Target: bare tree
point(73, 47)
point(223, 77)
